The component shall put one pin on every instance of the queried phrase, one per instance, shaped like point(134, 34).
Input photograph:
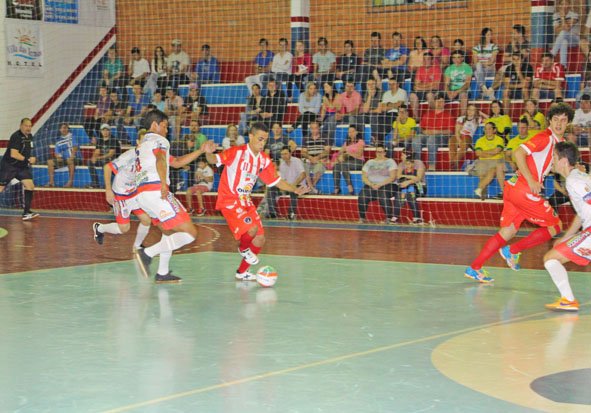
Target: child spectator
point(466, 127)
point(203, 179)
point(411, 185)
point(404, 129)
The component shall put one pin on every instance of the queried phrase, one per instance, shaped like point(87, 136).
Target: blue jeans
point(563, 41)
point(433, 142)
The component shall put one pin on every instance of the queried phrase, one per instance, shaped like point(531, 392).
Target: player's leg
point(71, 171)
point(51, 172)
point(29, 187)
point(142, 229)
point(554, 261)
point(199, 194)
point(189, 199)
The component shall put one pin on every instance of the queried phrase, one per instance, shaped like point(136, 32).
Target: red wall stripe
point(300, 19)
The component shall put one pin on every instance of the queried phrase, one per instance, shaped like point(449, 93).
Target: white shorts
point(170, 212)
point(123, 209)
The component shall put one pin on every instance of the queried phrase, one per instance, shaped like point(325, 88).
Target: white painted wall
point(65, 47)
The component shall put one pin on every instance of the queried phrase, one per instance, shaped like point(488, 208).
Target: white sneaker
point(245, 276)
point(478, 192)
point(249, 256)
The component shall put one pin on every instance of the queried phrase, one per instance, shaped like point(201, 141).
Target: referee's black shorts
point(9, 172)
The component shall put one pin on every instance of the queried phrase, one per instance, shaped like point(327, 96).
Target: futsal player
point(244, 164)
point(16, 164)
point(573, 245)
point(155, 198)
point(522, 198)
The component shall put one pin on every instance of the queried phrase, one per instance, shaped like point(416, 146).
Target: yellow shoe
point(562, 304)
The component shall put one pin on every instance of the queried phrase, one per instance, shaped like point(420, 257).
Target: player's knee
point(124, 228)
point(555, 229)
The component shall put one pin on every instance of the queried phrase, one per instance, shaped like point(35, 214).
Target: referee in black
point(16, 163)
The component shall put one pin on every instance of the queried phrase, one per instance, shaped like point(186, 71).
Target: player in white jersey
point(244, 164)
point(153, 196)
point(573, 245)
point(121, 194)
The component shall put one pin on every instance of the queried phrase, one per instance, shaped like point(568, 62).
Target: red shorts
point(199, 188)
point(520, 204)
point(240, 220)
point(578, 248)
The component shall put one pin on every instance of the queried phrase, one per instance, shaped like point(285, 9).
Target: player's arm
point(108, 173)
point(161, 169)
point(190, 157)
point(520, 156)
point(573, 228)
point(286, 186)
point(15, 154)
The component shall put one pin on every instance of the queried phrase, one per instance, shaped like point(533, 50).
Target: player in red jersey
point(244, 164)
point(522, 199)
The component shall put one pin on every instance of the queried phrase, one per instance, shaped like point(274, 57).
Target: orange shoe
point(562, 304)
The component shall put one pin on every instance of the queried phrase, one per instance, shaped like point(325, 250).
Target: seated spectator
point(315, 150)
point(330, 107)
point(411, 185)
point(348, 64)
point(427, 83)
point(117, 115)
point(396, 59)
point(66, 152)
point(302, 69)
point(139, 68)
point(459, 143)
point(282, 65)
point(440, 53)
point(437, 126)
point(136, 106)
point(350, 103)
point(392, 100)
point(373, 59)
point(416, 55)
point(207, 69)
point(586, 78)
point(548, 79)
point(518, 43)
point(535, 118)
point(195, 105)
point(274, 104)
point(277, 142)
point(203, 182)
point(566, 23)
point(106, 150)
point(232, 138)
point(457, 78)
point(291, 170)
point(404, 130)
point(459, 45)
point(349, 158)
point(371, 112)
point(158, 79)
point(198, 137)
point(324, 62)
point(180, 146)
point(308, 107)
point(523, 136)
point(113, 71)
point(173, 108)
point(179, 64)
point(485, 59)
point(379, 183)
point(502, 122)
point(158, 101)
point(254, 108)
point(489, 151)
point(100, 115)
point(582, 122)
point(518, 80)
point(262, 67)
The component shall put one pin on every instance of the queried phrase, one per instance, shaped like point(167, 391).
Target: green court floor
point(333, 335)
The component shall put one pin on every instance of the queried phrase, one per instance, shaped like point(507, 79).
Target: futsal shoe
point(144, 261)
point(98, 236)
point(511, 259)
point(245, 276)
point(481, 275)
point(562, 304)
point(167, 279)
point(27, 216)
point(249, 256)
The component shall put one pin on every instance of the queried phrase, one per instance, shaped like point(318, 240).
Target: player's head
point(26, 125)
point(257, 137)
point(156, 121)
point(566, 156)
point(559, 116)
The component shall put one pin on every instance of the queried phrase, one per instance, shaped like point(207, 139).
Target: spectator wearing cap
point(106, 150)
point(582, 121)
point(427, 83)
point(139, 68)
point(207, 69)
point(178, 65)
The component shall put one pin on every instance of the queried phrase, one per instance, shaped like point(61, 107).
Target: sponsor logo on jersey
point(587, 197)
point(577, 239)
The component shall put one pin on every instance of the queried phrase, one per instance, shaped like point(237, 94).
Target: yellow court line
point(317, 364)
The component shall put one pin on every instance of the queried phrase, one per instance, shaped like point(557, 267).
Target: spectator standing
point(379, 176)
point(158, 79)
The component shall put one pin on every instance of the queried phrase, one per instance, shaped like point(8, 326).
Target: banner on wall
point(24, 51)
point(62, 11)
point(23, 9)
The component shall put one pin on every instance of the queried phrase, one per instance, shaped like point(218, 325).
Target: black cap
point(135, 50)
point(586, 97)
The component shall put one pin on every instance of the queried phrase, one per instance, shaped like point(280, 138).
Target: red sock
point(492, 245)
point(255, 249)
point(244, 266)
point(537, 237)
point(245, 241)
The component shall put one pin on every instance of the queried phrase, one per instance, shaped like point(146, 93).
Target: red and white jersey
point(147, 178)
point(124, 185)
point(556, 72)
point(578, 186)
point(242, 169)
point(540, 148)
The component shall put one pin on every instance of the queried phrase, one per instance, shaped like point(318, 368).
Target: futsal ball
point(266, 276)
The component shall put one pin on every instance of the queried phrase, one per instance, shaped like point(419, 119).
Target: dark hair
point(524, 120)
point(205, 47)
point(403, 107)
point(65, 124)
point(547, 54)
point(397, 34)
point(263, 40)
point(258, 126)
point(376, 34)
point(586, 97)
point(561, 109)
point(520, 28)
point(439, 40)
point(483, 35)
point(423, 42)
point(155, 115)
point(460, 52)
point(348, 42)
point(491, 124)
point(567, 150)
point(498, 102)
point(283, 39)
point(135, 50)
point(460, 41)
point(322, 39)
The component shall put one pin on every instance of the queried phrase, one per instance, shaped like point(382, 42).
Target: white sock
point(169, 243)
point(112, 228)
point(163, 262)
point(141, 234)
point(560, 277)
